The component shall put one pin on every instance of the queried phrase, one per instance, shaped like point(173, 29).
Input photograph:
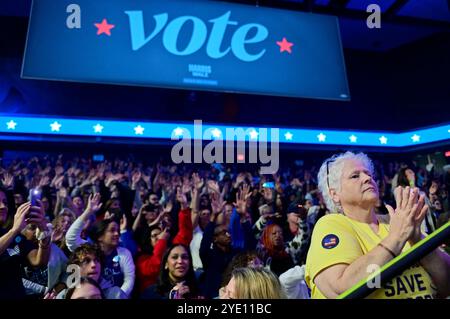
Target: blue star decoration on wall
point(16, 125)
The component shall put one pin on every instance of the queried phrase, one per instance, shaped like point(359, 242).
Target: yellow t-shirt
point(338, 239)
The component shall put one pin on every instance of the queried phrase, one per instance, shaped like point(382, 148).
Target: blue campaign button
point(116, 259)
point(18, 239)
point(330, 241)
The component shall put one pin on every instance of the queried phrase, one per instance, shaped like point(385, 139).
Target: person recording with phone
point(269, 195)
point(15, 250)
point(267, 208)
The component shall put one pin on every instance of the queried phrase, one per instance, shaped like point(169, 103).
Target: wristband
point(389, 250)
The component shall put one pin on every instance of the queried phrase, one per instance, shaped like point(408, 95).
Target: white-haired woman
point(347, 244)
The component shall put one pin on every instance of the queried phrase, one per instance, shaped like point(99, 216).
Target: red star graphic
point(285, 45)
point(104, 27)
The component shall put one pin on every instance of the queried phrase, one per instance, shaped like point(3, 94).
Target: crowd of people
point(73, 228)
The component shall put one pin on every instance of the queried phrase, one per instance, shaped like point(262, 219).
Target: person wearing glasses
point(350, 242)
point(15, 250)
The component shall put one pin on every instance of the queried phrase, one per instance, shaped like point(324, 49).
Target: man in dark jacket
point(216, 252)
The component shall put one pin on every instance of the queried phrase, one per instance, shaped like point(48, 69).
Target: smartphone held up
point(35, 196)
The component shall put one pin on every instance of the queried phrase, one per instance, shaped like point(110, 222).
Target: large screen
point(199, 45)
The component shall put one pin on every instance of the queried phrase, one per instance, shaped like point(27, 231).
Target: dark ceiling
point(398, 76)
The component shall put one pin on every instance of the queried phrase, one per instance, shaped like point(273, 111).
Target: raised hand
point(46, 170)
point(8, 181)
point(406, 219)
point(59, 170)
point(164, 234)
point(101, 171)
point(94, 178)
point(44, 181)
point(123, 223)
point(59, 181)
point(213, 186)
point(241, 199)
point(62, 192)
point(186, 188)
point(195, 199)
point(249, 176)
point(52, 184)
point(159, 219)
point(136, 177)
point(108, 215)
point(239, 179)
point(19, 218)
point(94, 203)
point(168, 207)
point(146, 179)
point(197, 181)
point(181, 198)
point(71, 171)
point(217, 203)
point(110, 177)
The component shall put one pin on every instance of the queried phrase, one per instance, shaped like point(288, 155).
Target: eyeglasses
point(328, 171)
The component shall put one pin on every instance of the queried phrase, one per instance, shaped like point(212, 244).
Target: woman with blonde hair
point(254, 283)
